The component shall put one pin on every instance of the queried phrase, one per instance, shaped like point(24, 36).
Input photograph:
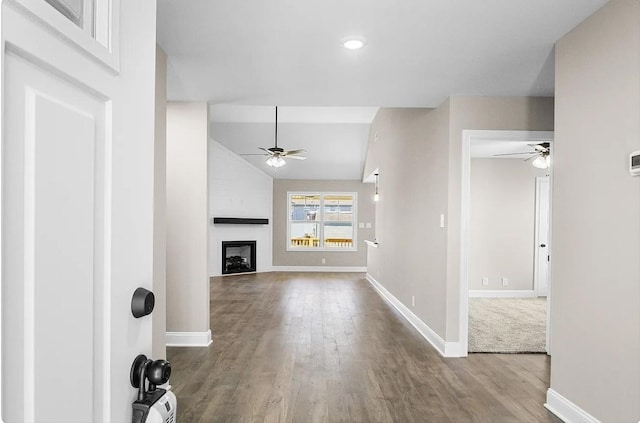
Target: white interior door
point(541, 270)
point(77, 205)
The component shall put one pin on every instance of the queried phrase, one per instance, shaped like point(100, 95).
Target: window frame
point(321, 221)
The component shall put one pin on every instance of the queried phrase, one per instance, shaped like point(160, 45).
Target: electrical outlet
point(413, 301)
point(324, 260)
point(505, 281)
point(485, 281)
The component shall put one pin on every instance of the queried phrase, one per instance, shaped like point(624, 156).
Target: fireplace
point(238, 257)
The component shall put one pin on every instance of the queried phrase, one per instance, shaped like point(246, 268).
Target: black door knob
point(543, 245)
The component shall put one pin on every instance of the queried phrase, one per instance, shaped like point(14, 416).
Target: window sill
point(312, 249)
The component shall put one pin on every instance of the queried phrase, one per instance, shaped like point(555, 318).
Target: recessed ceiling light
point(353, 43)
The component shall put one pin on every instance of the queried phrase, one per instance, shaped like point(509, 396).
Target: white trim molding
point(446, 349)
point(497, 293)
point(189, 339)
point(357, 269)
point(566, 410)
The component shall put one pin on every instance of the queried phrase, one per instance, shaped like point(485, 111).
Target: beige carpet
point(507, 325)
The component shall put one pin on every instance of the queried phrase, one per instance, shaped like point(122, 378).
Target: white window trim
point(322, 194)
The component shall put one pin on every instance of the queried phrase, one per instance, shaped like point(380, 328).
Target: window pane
point(338, 208)
point(304, 235)
point(338, 234)
point(322, 221)
point(305, 207)
point(71, 9)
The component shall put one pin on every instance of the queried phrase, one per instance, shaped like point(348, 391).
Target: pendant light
point(376, 196)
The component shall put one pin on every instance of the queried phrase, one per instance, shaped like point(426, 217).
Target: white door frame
point(467, 137)
point(536, 242)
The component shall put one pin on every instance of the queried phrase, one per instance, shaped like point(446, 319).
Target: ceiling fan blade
point(251, 154)
point(515, 154)
point(293, 152)
point(296, 157)
point(266, 151)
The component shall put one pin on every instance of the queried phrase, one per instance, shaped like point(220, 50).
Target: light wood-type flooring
point(325, 347)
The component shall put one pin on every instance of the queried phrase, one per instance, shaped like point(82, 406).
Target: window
point(322, 221)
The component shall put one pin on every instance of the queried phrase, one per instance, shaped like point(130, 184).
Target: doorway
point(522, 138)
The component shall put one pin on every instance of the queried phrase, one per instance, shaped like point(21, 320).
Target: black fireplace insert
point(238, 257)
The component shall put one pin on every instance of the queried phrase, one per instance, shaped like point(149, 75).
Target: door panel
point(77, 216)
point(542, 248)
point(57, 132)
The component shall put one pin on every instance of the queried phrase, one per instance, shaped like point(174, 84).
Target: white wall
point(502, 223)
point(187, 217)
point(595, 256)
point(238, 189)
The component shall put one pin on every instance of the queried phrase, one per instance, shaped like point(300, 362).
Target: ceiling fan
point(541, 154)
point(275, 155)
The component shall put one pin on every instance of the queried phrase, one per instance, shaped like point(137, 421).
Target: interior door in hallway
point(541, 269)
point(77, 198)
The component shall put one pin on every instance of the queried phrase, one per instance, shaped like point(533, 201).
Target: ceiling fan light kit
point(541, 152)
point(276, 161)
point(542, 162)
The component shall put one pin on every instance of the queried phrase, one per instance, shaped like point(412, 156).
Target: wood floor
point(325, 347)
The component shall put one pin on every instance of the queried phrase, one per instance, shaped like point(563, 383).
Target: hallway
point(325, 347)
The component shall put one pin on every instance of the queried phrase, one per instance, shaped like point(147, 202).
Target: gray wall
point(411, 152)
point(160, 209)
point(187, 222)
point(502, 223)
point(595, 309)
point(419, 154)
point(480, 113)
point(282, 257)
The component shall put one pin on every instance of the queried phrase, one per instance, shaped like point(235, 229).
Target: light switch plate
point(368, 225)
point(361, 225)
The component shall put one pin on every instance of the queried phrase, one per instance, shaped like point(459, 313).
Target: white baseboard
point(502, 293)
point(188, 339)
point(359, 269)
point(567, 411)
point(446, 349)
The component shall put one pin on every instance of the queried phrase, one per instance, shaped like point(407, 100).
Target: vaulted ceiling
point(417, 52)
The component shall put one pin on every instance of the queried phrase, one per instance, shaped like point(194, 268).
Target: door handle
point(543, 245)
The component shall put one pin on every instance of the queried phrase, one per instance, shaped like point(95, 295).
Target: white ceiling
point(418, 52)
point(289, 53)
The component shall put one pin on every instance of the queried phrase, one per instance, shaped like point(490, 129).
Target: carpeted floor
point(507, 325)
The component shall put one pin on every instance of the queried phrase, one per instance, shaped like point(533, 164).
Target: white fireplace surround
point(237, 189)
